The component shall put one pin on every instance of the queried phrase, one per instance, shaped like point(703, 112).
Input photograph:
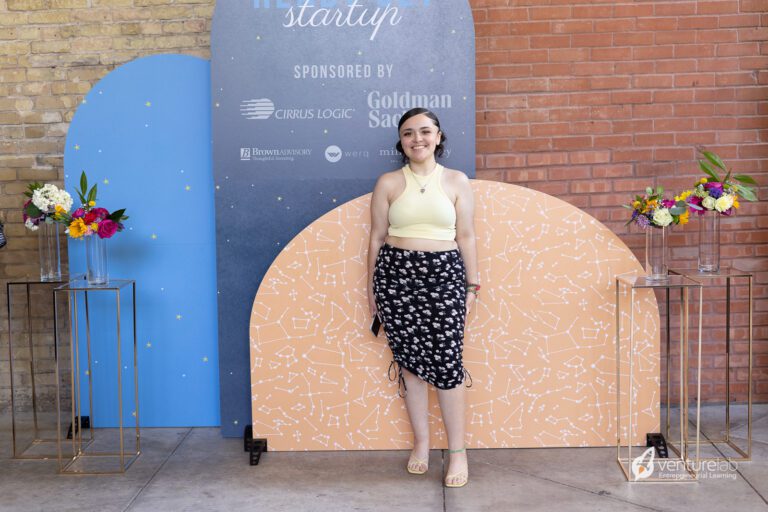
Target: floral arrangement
point(652, 210)
point(44, 202)
point(89, 220)
point(714, 193)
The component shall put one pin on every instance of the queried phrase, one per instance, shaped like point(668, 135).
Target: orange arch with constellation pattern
point(540, 343)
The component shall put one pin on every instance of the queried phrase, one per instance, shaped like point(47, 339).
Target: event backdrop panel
point(306, 97)
point(540, 344)
point(143, 135)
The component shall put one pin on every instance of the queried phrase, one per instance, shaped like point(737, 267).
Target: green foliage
point(33, 211)
point(31, 189)
point(85, 195)
point(712, 162)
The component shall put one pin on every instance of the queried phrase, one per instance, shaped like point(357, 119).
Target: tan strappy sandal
point(417, 466)
point(457, 479)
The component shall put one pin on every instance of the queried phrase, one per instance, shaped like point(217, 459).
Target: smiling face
point(419, 137)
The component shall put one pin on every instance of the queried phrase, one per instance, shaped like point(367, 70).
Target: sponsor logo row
point(383, 109)
point(332, 154)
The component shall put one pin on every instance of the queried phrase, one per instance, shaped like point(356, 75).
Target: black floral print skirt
point(421, 299)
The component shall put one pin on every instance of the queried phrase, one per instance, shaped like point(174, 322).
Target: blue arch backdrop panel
point(143, 135)
point(306, 99)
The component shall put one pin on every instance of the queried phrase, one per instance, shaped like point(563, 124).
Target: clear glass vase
point(709, 242)
point(656, 253)
point(50, 253)
point(96, 259)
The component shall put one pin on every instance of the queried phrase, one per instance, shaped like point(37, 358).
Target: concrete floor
point(195, 469)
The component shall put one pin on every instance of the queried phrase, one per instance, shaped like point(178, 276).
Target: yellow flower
point(735, 203)
point(77, 228)
point(650, 205)
point(684, 217)
point(60, 209)
point(683, 195)
point(703, 180)
point(636, 204)
point(91, 203)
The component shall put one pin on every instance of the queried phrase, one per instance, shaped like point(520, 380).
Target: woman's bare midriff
point(421, 244)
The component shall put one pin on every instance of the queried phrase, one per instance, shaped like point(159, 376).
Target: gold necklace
point(423, 186)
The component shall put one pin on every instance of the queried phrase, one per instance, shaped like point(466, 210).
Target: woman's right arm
point(379, 227)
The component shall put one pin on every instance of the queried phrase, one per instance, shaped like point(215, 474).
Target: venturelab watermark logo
point(647, 464)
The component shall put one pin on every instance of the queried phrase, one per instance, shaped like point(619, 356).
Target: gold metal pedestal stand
point(683, 468)
point(709, 280)
point(43, 443)
point(76, 460)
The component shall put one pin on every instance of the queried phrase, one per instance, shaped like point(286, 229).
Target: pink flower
point(78, 213)
point(100, 213)
point(697, 202)
point(107, 228)
point(667, 203)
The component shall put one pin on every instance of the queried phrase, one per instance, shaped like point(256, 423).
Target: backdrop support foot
point(85, 422)
point(255, 447)
point(657, 440)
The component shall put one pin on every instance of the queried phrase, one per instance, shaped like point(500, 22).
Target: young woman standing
point(423, 280)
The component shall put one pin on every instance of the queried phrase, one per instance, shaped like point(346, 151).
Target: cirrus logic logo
point(262, 108)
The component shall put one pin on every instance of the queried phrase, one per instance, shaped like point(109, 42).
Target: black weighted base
point(85, 422)
point(255, 447)
point(657, 440)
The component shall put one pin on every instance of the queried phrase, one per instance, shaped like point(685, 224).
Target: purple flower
point(643, 221)
point(635, 213)
point(715, 189)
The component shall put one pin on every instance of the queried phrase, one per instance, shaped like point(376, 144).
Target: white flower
point(662, 217)
point(708, 203)
point(48, 196)
point(65, 200)
point(724, 202)
point(30, 225)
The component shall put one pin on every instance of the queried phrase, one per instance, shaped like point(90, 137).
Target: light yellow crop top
point(428, 214)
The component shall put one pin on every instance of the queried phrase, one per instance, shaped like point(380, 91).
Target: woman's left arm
point(465, 231)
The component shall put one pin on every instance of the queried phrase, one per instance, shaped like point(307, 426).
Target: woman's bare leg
point(454, 417)
point(416, 402)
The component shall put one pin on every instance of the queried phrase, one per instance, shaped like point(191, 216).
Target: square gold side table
point(639, 469)
point(80, 456)
point(707, 280)
point(21, 357)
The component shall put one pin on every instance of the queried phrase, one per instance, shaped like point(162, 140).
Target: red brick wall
point(594, 101)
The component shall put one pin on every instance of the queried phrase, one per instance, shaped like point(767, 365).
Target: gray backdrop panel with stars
point(306, 99)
